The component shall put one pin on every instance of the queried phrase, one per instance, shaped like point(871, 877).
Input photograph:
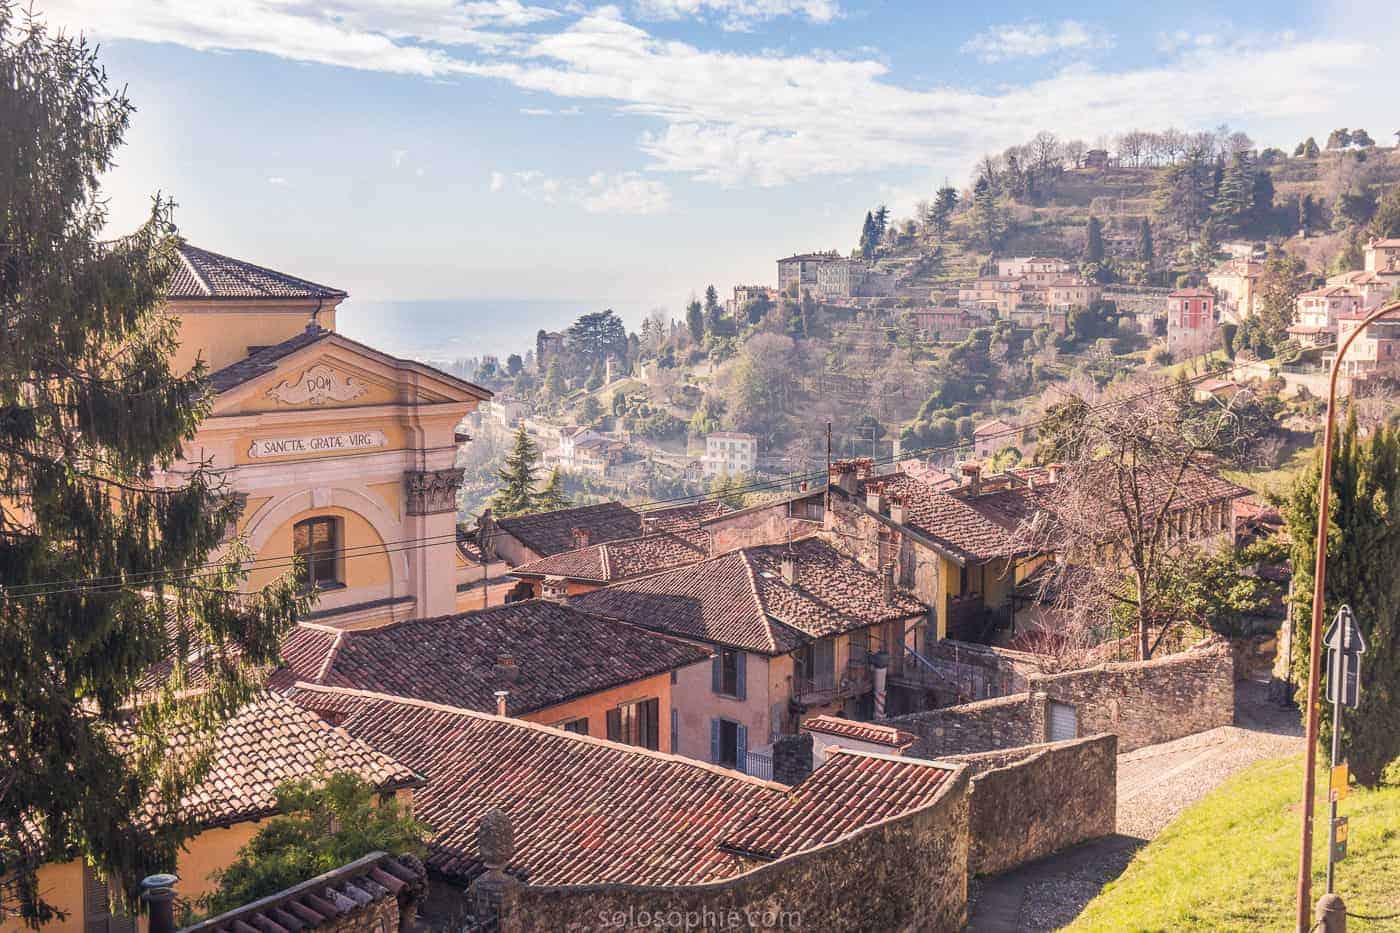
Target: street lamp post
point(1304, 901)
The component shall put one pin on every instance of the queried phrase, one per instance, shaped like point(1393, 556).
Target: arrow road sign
point(1345, 645)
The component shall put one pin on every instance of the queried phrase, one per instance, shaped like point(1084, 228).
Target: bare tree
point(1114, 519)
point(1074, 151)
point(1173, 143)
point(1046, 151)
point(1131, 146)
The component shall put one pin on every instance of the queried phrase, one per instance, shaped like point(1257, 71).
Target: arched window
point(317, 542)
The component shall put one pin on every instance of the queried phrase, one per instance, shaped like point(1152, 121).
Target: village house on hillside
point(1236, 281)
point(536, 660)
point(1373, 355)
point(1316, 312)
point(524, 538)
point(1382, 256)
point(729, 453)
point(1191, 320)
point(337, 449)
point(570, 573)
point(796, 629)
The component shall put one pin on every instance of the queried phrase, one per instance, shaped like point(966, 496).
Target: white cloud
point(536, 111)
point(628, 193)
point(1035, 39)
point(276, 180)
point(397, 156)
point(770, 117)
point(498, 181)
point(739, 15)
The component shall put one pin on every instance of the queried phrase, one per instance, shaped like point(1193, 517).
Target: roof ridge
point(330, 657)
point(267, 270)
point(763, 613)
point(534, 727)
point(198, 276)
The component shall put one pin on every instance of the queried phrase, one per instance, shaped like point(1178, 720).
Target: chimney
point(495, 844)
point(874, 497)
point(501, 702)
point(897, 513)
point(789, 568)
point(505, 669)
point(887, 584)
point(792, 758)
point(972, 477)
point(158, 891)
point(580, 537)
point(843, 475)
point(1057, 472)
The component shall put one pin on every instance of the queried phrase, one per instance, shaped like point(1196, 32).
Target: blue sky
point(632, 153)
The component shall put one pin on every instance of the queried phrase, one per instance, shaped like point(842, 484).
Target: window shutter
point(675, 732)
point(717, 671)
point(741, 748)
point(740, 687)
point(714, 741)
point(614, 725)
point(651, 729)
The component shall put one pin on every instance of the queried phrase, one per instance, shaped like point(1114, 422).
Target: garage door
point(1064, 722)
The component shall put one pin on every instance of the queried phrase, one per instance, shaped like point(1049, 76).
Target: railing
point(759, 764)
point(827, 688)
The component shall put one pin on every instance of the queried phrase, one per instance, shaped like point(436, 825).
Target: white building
point(730, 452)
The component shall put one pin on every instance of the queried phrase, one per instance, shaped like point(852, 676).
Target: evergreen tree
point(881, 220)
point(1305, 210)
point(516, 495)
point(1310, 149)
point(1234, 200)
point(1339, 138)
point(987, 216)
point(90, 408)
point(1362, 551)
point(554, 386)
point(942, 212)
point(1262, 209)
point(869, 238)
point(714, 311)
point(1144, 243)
point(1183, 195)
point(552, 497)
point(1093, 241)
point(1385, 222)
point(514, 365)
point(619, 403)
point(695, 321)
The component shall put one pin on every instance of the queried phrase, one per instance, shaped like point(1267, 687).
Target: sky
point(630, 154)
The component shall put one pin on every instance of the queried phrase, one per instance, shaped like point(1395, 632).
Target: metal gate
point(1064, 722)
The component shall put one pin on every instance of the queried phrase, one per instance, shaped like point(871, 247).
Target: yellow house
point(344, 454)
point(269, 741)
point(535, 660)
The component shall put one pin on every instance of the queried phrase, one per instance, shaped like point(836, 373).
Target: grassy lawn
point(1196, 365)
point(1230, 861)
point(1276, 483)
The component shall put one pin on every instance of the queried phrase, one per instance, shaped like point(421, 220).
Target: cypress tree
point(1093, 241)
point(90, 410)
point(552, 496)
point(1144, 243)
point(517, 493)
point(1363, 550)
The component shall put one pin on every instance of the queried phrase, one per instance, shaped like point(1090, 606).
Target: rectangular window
point(727, 673)
point(316, 541)
point(636, 724)
point(577, 726)
point(728, 744)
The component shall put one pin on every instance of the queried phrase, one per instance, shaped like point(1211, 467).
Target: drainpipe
point(879, 672)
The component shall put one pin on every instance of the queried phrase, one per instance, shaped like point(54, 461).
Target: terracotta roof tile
point(588, 811)
point(871, 732)
point(559, 653)
point(268, 742)
point(683, 517)
point(972, 530)
point(548, 533)
point(739, 599)
point(622, 559)
point(202, 275)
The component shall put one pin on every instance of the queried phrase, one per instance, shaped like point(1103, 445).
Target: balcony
point(827, 687)
point(971, 619)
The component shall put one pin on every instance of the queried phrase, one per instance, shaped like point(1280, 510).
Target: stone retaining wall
point(986, 725)
point(904, 874)
point(1030, 802)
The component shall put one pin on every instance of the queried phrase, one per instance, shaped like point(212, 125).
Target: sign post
point(1345, 646)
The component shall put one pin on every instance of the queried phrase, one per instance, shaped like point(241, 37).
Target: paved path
point(1154, 785)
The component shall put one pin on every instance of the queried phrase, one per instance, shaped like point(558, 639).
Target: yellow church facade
point(342, 454)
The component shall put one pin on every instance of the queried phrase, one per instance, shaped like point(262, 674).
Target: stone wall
point(904, 874)
point(1146, 702)
point(1003, 722)
point(1030, 802)
point(762, 524)
point(1142, 702)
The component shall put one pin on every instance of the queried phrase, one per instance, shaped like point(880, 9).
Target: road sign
point(1339, 838)
point(1339, 783)
point(1345, 646)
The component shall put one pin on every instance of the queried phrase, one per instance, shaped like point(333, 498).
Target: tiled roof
point(995, 426)
point(336, 898)
point(588, 811)
point(622, 560)
point(202, 274)
point(304, 649)
point(739, 599)
point(871, 732)
point(548, 533)
point(970, 530)
point(1192, 293)
point(1332, 291)
point(849, 791)
point(268, 742)
point(683, 517)
point(559, 653)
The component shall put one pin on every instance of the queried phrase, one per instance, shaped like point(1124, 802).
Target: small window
point(576, 726)
point(317, 542)
point(636, 724)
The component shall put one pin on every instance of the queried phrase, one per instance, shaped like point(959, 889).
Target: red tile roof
point(739, 599)
point(975, 530)
point(850, 791)
point(683, 517)
point(588, 811)
point(871, 732)
point(271, 741)
point(205, 275)
point(548, 533)
point(559, 653)
point(622, 560)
